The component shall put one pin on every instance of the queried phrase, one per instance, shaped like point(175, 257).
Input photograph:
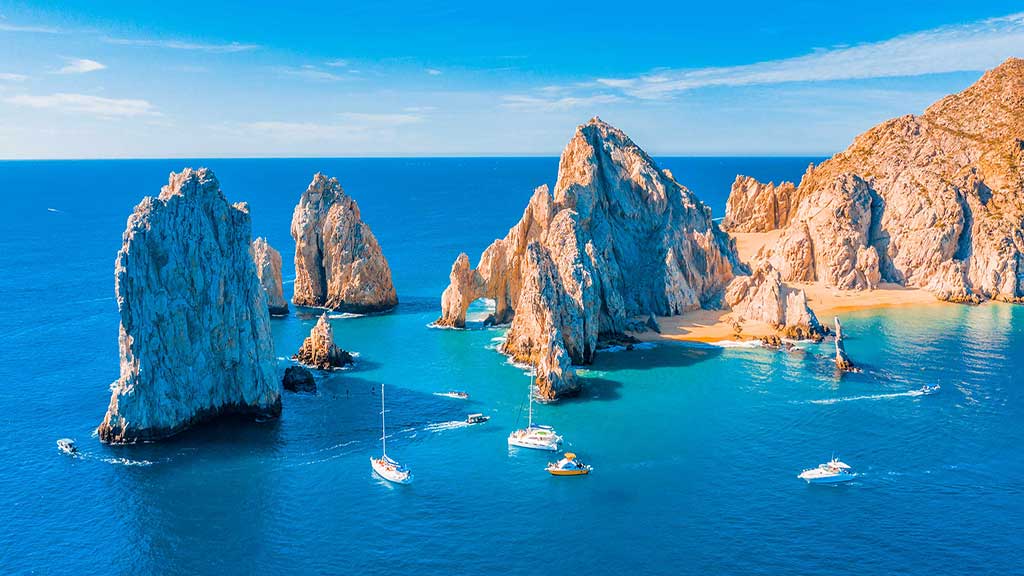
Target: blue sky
point(215, 79)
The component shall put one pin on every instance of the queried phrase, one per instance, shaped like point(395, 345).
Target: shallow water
point(695, 449)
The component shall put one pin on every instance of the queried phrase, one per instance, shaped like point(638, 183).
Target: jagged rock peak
point(756, 207)
point(338, 262)
point(268, 269)
point(195, 337)
point(319, 350)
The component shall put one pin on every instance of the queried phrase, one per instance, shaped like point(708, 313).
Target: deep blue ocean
point(695, 450)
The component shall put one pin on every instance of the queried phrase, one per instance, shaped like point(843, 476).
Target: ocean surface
point(695, 449)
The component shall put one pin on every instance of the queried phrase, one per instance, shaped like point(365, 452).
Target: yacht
point(458, 394)
point(535, 436)
point(385, 466)
point(926, 389)
point(568, 466)
point(67, 446)
point(830, 472)
point(477, 418)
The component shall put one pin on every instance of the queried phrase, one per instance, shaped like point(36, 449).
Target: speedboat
point(568, 466)
point(535, 436)
point(830, 472)
point(477, 419)
point(926, 389)
point(386, 467)
point(454, 394)
point(67, 446)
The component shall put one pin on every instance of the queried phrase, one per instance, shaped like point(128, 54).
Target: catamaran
point(828, 473)
point(385, 466)
point(535, 436)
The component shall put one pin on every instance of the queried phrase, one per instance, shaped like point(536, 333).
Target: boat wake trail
point(911, 393)
point(442, 426)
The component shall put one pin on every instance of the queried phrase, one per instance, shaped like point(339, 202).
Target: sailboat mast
point(383, 430)
point(530, 425)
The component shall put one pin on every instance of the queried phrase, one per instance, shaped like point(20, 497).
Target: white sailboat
point(385, 466)
point(535, 436)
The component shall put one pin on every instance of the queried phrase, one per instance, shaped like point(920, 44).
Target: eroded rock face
point(763, 297)
point(319, 350)
point(933, 201)
point(268, 269)
point(843, 362)
point(338, 262)
point(757, 207)
point(298, 379)
point(616, 241)
point(195, 337)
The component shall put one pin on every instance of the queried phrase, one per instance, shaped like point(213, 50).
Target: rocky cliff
point(319, 350)
point(338, 262)
point(616, 241)
point(934, 201)
point(195, 337)
point(268, 270)
point(757, 207)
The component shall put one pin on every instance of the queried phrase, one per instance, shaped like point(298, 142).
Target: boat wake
point(911, 394)
point(344, 315)
point(442, 426)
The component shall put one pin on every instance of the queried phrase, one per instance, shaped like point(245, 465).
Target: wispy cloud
point(337, 63)
point(381, 119)
point(81, 66)
point(86, 104)
point(433, 71)
point(228, 48)
point(350, 126)
point(6, 26)
point(12, 77)
point(555, 103)
point(310, 72)
point(966, 47)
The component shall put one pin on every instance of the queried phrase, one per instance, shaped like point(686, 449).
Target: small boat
point(535, 436)
point(385, 466)
point(926, 389)
point(568, 466)
point(477, 419)
point(67, 446)
point(830, 472)
point(453, 394)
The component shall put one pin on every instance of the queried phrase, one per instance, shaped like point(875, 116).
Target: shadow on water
point(595, 388)
point(659, 356)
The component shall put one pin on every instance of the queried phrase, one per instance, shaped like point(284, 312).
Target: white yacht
point(535, 436)
point(385, 466)
point(830, 472)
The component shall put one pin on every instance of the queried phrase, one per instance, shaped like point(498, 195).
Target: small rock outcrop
point(195, 337)
point(298, 379)
point(757, 207)
point(843, 361)
point(338, 262)
point(319, 350)
point(268, 269)
point(618, 239)
point(763, 297)
point(931, 201)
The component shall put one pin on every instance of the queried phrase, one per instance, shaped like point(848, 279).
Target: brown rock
point(319, 351)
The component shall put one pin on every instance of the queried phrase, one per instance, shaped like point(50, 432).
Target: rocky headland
point(934, 202)
point(616, 242)
point(195, 339)
point(338, 263)
point(268, 269)
point(319, 350)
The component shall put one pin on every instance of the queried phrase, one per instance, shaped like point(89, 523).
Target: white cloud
point(381, 119)
point(86, 104)
point(228, 48)
point(965, 47)
point(6, 26)
point(353, 126)
point(337, 63)
point(81, 66)
point(310, 72)
point(433, 71)
point(549, 104)
point(11, 77)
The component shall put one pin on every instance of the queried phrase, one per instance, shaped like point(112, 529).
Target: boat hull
point(828, 479)
point(546, 446)
point(556, 472)
point(390, 474)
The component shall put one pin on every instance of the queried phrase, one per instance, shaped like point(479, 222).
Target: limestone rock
point(756, 207)
point(319, 350)
point(338, 262)
point(843, 361)
point(934, 201)
point(762, 297)
point(298, 379)
point(268, 269)
point(195, 337)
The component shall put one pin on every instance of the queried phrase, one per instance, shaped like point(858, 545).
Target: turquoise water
point(695, 450)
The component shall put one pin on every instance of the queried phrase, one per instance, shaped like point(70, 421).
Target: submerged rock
point(298, 379)
point(338, 262)
point(930, 201)
point(319, 350)
point(195, 337)
point(268, 269)
point(843, 361)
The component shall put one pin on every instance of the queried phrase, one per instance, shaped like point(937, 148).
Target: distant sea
point(695, 449)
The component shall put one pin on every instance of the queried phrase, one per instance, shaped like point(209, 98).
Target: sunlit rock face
point(268, 269)
point(319, 351)
point(934, 201)
point(338, 262)
point(195, 339)
point(616, 241)
point(758, 207)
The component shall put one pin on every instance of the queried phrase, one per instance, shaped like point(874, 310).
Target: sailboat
point(535, 436)
point(385, 466)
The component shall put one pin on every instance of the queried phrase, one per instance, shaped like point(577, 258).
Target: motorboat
point(386, 467)
point(926, 389)
point(453, 394)
point(535, 436)
point(67, 446)
point(830, 472)
point(477, 419)
point(568, 466)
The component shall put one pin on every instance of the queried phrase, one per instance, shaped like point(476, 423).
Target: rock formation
point(616, 241)
point(338, 262)
point(319, 351)
point(757, 207)
point(298, 379)
point(934, 201)
point(843, 361)
point(268, 269)
point(195, 337)
point(762, 297)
